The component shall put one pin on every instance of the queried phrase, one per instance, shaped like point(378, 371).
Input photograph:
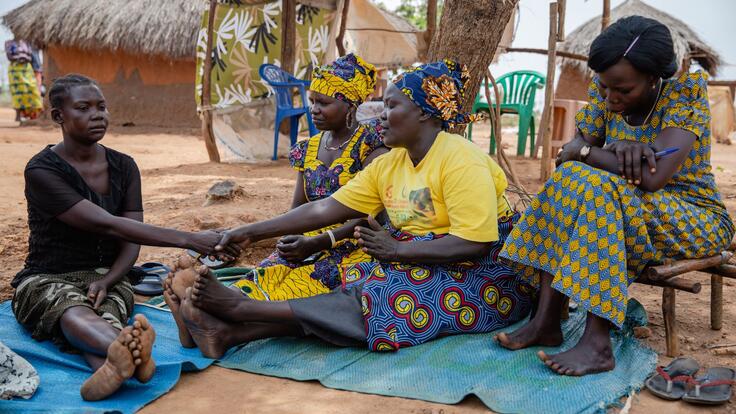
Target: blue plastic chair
point(282, 83)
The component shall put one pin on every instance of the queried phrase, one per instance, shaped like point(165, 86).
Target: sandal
point(670, 382)
point(713, 388)
point(151, 282)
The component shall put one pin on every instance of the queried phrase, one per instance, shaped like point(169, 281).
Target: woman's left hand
point(296, 248)
point(377, 242)
point(629, 154)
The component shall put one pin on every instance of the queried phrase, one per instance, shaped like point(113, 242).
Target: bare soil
point(176, 176)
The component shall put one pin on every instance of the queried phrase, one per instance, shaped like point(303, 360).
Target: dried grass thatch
point(687, 42)
point(163, 27)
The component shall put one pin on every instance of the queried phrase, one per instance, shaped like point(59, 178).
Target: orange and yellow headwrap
point(349, 78)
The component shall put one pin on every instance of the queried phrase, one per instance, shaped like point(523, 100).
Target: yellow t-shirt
point(455, 189)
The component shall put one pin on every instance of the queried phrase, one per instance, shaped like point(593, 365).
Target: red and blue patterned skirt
point(409, 304)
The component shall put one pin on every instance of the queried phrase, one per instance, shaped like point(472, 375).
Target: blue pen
point(665, 152)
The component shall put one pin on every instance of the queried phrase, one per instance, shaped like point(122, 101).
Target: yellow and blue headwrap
point(349, 78)
point(438, 88)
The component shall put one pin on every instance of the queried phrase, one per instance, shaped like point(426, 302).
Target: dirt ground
point(176, 176)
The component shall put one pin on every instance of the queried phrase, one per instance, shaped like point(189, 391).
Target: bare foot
point(145, 335)
point(174, 304)
point(118, 367)
point(531, 334)
point(184, 275)
point(210, 295)
point(587, 357)
point(207, 331)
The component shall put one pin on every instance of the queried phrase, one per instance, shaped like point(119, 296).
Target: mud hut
point(575, 75)
point(141, 52)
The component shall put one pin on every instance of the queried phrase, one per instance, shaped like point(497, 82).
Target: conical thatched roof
point(157, 27)
point(685, 39)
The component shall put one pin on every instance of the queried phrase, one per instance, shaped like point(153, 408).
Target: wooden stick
point(674, 283)
point(503, 159)
point(606, 16)
point(716, 302)
point(340, 39)
point(670, 321)
point(720, 346)
point(683, 266)
point(561, 6)
point(560, 53)
point(545, 125)
point(207, 132)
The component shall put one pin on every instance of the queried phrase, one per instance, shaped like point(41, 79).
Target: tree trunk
point(207, 132)
point(340, 39)
point(469, 32)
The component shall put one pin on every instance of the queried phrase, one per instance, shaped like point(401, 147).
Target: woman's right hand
point(570, 151)
point(233, 241)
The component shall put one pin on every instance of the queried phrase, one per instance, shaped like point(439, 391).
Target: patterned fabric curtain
point(247, 36)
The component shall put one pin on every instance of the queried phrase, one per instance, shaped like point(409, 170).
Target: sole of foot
point(206, 330)
point(184, 275)
point(144, 333)
point(118, 367)
point(174, 304)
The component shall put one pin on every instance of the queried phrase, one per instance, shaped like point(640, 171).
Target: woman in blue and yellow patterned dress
point(611, 208)
point(310, 264)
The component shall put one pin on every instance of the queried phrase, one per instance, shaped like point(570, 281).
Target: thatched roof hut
point(575, 75)
point(166, 28)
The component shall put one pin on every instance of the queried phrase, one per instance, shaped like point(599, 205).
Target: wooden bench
point(667, 276)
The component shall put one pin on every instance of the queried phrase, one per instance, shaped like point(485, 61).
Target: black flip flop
point(713, 388)
point(670, 382)
point(151, 282)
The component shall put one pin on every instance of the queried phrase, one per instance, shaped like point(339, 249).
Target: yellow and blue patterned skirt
point(595, 233)
point(23, 89)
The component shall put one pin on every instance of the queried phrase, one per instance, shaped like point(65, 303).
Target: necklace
point(339, 147)
point(659, 90)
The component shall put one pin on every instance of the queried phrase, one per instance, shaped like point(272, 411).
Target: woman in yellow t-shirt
point(437, 271)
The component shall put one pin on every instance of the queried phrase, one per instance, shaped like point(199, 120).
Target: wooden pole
point(431, 24)
point(606, 16)
point(207, 132)
point(288, 35)
point(674, 283)
point(561, 6)
point(679, 267)
point(545, 124)
point(340, 39)
point(670, 321)
point(716, 302)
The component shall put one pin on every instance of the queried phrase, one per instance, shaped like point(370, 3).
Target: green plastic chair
point(517, 90)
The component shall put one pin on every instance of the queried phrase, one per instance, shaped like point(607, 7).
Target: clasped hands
point(630, 155)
